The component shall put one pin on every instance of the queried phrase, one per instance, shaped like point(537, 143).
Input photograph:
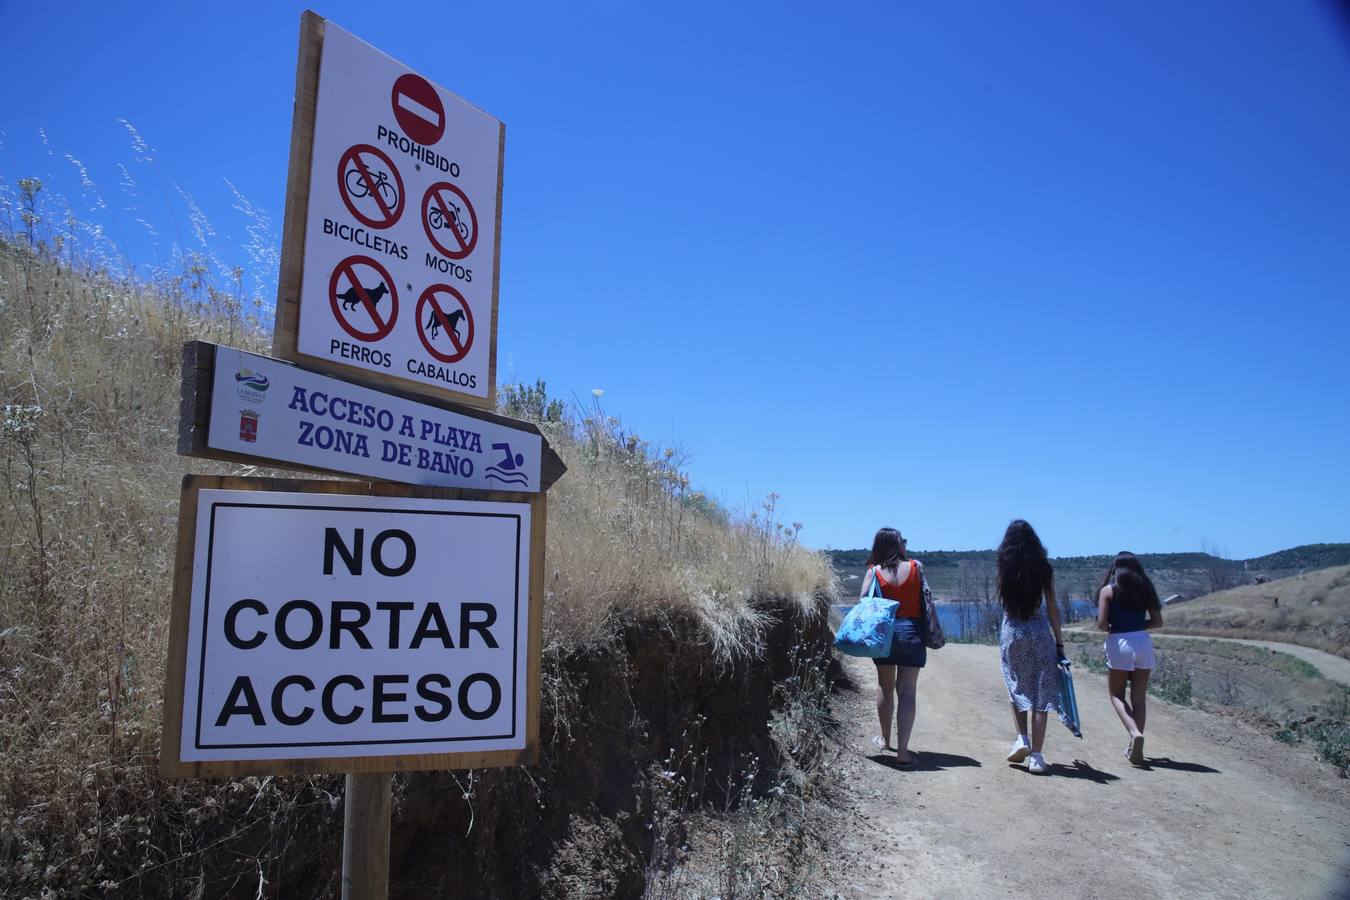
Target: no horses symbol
point(444, 323)
point(356, 291)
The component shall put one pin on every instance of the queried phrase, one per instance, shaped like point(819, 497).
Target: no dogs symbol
point(370, 186)
point(356, 291)
point(449, 220)
point(444, 323)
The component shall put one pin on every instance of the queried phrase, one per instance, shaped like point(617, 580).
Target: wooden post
point(365, 837)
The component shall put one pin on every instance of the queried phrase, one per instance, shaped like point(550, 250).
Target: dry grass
point(89, 383)
point(1313, 610)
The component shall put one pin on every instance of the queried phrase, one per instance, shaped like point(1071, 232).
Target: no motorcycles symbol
point(370, 186)
point(444, 320)
point(418, 109)
point(449, 220)
point(356, 291)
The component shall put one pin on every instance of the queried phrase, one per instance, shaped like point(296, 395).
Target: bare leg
point(1019, 718)
point(1138, 696)
point(1037, 729)
point(906, 691)
point(886, 700)
point(1116, 680)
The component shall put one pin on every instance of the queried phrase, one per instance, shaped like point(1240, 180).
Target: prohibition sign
point(367, 283)
point(418, 109)
point(433, 316)
point(443, 213)
point(368, 175)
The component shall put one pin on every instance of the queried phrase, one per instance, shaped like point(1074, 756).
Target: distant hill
point(968, 574)
point(1311, 609)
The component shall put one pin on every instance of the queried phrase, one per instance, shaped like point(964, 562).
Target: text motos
point(339, 625)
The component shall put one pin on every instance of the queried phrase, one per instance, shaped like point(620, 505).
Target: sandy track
point(1223, 810)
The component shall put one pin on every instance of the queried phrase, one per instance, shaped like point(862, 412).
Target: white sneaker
point(1038, 766)
point(1019, 751)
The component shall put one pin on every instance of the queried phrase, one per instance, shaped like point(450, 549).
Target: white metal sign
point(325, 625)
point(263, 407)
point(401, 237)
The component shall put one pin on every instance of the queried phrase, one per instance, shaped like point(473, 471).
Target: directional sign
point(355, 291)
point(274, 412)
point(319, 623)
point(387, 165)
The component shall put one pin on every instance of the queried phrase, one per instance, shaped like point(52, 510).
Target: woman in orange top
point(900, 579)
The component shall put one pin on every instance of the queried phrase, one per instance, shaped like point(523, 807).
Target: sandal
point(880, 742)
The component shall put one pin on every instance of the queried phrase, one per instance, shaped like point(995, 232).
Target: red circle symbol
point(356, 291)
point(418, 109)
point(449, 220)
point(370, 186)
point(440, 310)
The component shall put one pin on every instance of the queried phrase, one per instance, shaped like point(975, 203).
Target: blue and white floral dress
point(1027, 648)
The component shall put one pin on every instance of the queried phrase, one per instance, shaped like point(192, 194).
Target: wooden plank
point(286, 328)
point(176, 670)
point(195, 415)
point(538, 539)
point(171, 766)
point(496, 264)
point(365, 837)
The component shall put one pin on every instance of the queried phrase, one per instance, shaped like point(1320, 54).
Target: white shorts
point(1129, 650)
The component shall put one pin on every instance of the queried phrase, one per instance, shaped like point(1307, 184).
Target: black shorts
point(907, 647)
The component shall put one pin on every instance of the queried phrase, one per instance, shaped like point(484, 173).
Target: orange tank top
point(908, 593)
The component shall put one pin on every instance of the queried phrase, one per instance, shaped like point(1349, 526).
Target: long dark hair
point(888, 549)
point(1024, 572)
point(1130, 585)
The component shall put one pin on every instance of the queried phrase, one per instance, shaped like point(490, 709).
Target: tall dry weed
point(89, 388)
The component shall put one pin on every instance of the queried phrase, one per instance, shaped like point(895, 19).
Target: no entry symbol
point(449, 220)
point(370, 186)
point(356, 291)
point(444, 323)
point(418, 109)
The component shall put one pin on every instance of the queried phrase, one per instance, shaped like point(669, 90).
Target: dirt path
point(1333, 668)
point(1222, 811)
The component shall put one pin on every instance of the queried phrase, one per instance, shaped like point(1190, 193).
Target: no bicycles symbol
point(449, 220)
point(370, 186)
point(357, 287)
point(440, 312)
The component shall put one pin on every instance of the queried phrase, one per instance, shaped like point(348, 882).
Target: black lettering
point(377, 552)
point(395, 610)
point(306, 433)
point(279, 712)
point(381, 697)
point(424, 629)
point(496, 701)
point(426, 692)
point(466, 624)
point(339, 624)
point(332, 540)
point(231, 624)
point(329, 712)
point(315, 625)
point(241, 701)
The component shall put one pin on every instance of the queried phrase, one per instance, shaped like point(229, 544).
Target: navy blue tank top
point(1121, 618)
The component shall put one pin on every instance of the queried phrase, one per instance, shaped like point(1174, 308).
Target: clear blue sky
point(931, 265)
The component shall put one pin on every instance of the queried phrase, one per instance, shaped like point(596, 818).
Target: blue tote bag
point(868, 628)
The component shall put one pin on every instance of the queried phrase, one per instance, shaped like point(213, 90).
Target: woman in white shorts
point(1128, 608)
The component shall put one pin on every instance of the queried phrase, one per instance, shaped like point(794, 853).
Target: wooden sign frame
point(171, 764)
point(286, 333)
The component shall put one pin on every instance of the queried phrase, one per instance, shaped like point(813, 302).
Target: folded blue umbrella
point(1067, 706)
